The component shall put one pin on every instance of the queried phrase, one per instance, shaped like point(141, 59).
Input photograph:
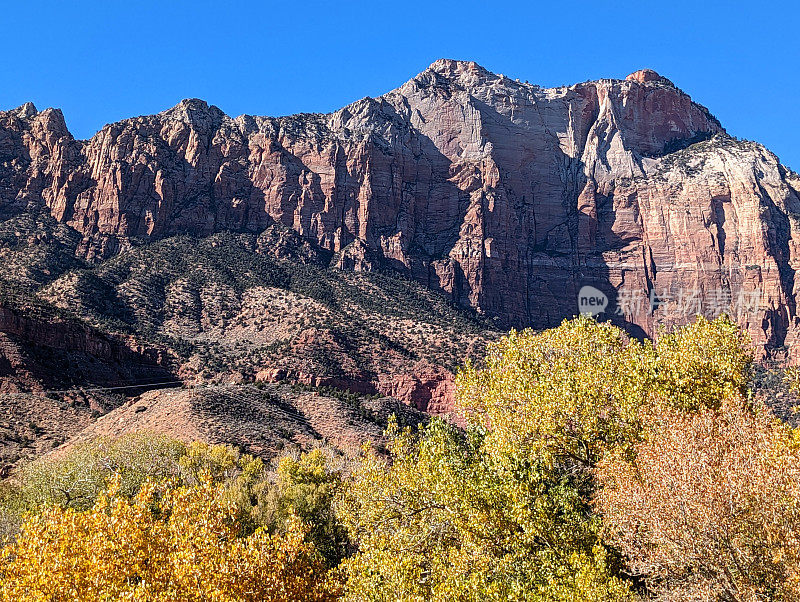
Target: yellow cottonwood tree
point(165, 543)
point(577, 391)
point(446, 520)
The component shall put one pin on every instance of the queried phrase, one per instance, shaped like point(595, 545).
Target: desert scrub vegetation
point(230, 304)
point(589, 466)
point(185, 295)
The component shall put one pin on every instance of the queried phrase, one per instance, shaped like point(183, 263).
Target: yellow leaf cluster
point(165, 543)
point(446, 520)
point(578, 391)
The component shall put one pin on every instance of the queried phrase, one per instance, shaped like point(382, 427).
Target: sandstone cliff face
point(505, 196)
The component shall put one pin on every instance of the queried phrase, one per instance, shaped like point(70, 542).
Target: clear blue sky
point(104, 61)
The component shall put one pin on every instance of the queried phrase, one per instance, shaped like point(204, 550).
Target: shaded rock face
point(38, 353)
point(507, 197)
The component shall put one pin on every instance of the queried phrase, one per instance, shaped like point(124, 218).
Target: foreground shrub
point(709, 509)
point(76, 477)
point(306, 487)
point(242, 477)
point(181, 544)
point(699, 365)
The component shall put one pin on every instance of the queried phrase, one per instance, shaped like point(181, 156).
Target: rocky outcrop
point(426, 387)
point(647, 75)
point(505, 196)
point(51, 353)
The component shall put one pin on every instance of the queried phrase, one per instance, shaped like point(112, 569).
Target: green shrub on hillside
point(73, 479)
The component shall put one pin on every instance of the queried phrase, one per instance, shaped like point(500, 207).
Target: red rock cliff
point(506, 196)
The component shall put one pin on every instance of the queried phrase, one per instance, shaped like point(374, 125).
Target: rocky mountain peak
point(505, 197)
point(26, 110)
point(464, 74)
point(453, 67)
point(644, 76)
point(196, 112)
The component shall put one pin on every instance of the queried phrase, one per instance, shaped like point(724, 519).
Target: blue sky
point(104, 61)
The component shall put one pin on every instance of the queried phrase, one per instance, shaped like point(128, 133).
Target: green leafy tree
point(306, 487)
point(75, 477)
point(447, 519)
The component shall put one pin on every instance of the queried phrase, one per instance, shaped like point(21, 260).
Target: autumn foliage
point(591, 467)
point(709, 509)
point(163, 544)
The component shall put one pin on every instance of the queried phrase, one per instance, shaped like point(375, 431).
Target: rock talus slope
point(505, 196)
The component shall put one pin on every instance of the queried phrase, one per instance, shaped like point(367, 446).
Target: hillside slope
point(79, 339)
point(266, 420)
